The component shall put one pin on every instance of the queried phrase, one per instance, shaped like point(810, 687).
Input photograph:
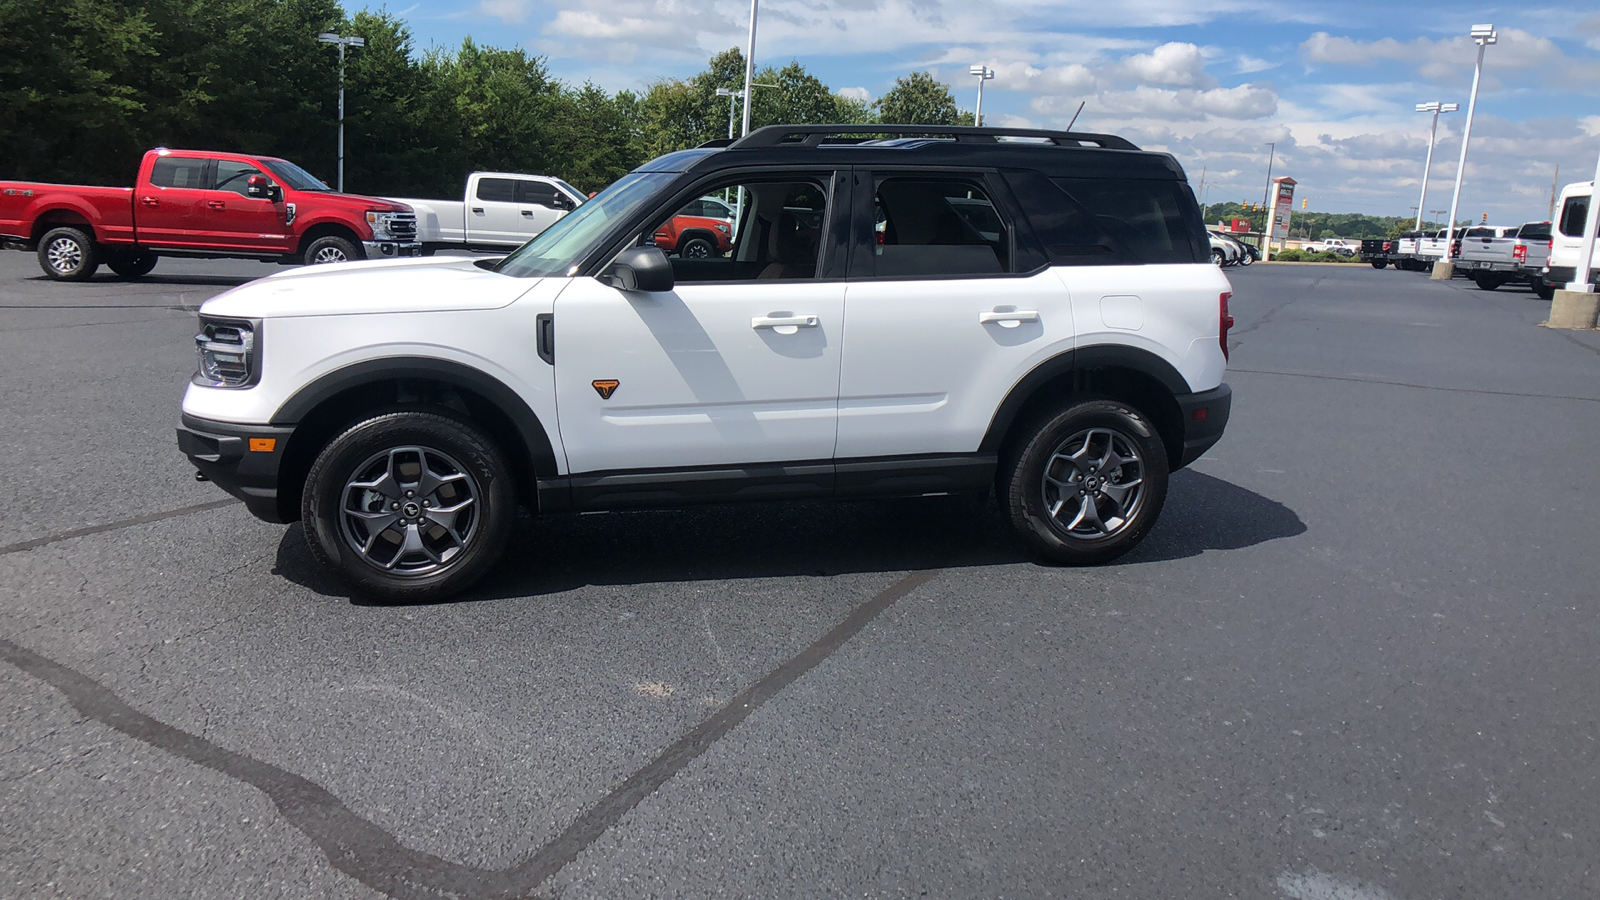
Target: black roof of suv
point(1052, 153)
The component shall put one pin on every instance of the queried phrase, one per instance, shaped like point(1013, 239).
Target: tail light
point(1519, 253)
point(1224, 322)
point(1387, 246)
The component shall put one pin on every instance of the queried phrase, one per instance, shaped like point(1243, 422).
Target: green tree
point(919, 99)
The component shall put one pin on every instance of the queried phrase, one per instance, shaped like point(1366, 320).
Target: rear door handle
point(784, 324)
point(528, 213)
point(478, 210)
point(149, 201)
point(1010, 319)
point(217, 204)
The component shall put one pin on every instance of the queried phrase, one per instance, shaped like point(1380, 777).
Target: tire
point(131, 263)
point(1487, 282)
point(68, 254)
point(1061, 453)
point(331, 248)
point(1247, 260)
point(697, 248)
point(1379, 263)
point(438, 536)
point(1218, 258)
point(1544, 289)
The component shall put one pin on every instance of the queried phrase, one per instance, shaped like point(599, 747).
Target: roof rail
point(815, 135)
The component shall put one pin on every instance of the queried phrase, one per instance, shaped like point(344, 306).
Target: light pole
point(328, 37)
point(983, 73)
point(1436, 108)
point(733, 98)
point(1483, 36)
point(1272, 152)
point(749, 69)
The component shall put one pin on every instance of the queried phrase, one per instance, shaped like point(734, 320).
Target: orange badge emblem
point(605, 387)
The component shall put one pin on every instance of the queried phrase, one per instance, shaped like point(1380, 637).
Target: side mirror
point(260, 187)
point(561, 201)
point(640, 269)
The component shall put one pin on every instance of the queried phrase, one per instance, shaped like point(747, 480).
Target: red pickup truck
point(200, 204)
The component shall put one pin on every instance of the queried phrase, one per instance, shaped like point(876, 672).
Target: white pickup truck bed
point(500, 211)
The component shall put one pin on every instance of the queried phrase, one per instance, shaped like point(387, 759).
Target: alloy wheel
point(65, 255)
point(1094, 484)
point(409, 511)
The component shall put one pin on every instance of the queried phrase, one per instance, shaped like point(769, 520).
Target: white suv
point(948, 310)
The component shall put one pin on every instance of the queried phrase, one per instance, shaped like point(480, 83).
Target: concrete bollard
point(1443, 271)
point(1574, 309)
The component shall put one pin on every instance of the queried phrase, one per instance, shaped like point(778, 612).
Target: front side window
point(777, 234)
point(234, 176)
point(1574, 213)
point(937, 227)
point(178, 172)
point(536, 192)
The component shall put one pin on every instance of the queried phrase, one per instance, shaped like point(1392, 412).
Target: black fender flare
point(455, 374)
point(1072, 361)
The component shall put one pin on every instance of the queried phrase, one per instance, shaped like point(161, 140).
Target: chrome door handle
point(149, 201)
point(1010, 319)
point(217, 204)
point(784, 324)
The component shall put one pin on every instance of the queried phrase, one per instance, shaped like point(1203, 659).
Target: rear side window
point(497, 190)
point(1105, 222)
point(178, 172)
point(930, 227)
point(1573, 215)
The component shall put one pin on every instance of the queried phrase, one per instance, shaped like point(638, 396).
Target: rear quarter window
point(1109, 221)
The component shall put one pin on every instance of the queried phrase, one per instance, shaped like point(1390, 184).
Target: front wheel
point(331, 249)
point(1218, 258)
point(1247, 259)
point(409, 506)
point(132, 263)
point(1087, 483)
point(696, 248)
point(68, 254)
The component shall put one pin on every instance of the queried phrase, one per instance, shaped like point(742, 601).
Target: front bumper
point(1205, 417)
point(241, 459)
point(391, 249)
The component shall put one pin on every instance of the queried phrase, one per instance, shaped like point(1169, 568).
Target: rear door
point(235, 219)
point(941, 313)
point(169, 207)
point(539, 204)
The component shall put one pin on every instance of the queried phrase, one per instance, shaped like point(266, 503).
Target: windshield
point(294, 176)
point(557, 249)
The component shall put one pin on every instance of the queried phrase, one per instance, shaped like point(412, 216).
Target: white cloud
point(859, 94)
point(1171, 64)
point(1249, 64)
point(506, 10)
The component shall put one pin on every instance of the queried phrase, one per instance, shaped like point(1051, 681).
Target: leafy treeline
point(1309, 224)
point(86, 86)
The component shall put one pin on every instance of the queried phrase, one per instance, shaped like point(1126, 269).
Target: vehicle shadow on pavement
point(550, 556)
point(179, 280)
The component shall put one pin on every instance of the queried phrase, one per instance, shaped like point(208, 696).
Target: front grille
point(403, 226)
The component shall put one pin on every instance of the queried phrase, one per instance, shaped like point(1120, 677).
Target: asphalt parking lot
point(1356, 660)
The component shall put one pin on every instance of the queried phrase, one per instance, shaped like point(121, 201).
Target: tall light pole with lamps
point(1436, 108)
point(982, 73)
point(733, 99)
point(328, 37)
point(1483, 36)
point(749, 69)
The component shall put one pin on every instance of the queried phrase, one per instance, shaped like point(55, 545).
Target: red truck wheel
point(131, 264)
point(331, 249)
point(68, 254)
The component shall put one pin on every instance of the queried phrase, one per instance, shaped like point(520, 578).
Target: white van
point(1566, 238)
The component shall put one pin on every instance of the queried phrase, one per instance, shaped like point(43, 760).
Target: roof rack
point(815, 135)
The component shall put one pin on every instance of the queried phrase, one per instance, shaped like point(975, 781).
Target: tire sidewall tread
point(324, 487)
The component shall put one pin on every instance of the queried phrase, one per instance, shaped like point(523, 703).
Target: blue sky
point(1211, 81)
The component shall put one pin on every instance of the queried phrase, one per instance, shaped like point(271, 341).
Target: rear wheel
point(1544, 289)
point(1379, 263)
point(131, 263)
point(409, 506)
point(68, 254)
point(1487, 282)
point(1087, 482)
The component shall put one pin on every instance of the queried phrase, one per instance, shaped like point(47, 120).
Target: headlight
point(229, 352)
point(722, 228)
point(379, 221)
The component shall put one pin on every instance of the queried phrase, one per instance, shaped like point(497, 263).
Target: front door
point(238, 220)
point(738, 365)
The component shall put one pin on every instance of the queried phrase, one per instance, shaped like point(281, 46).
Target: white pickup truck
point(1493, 255)
point(1567, 240)
point(1333, 245)
point(499, 212)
